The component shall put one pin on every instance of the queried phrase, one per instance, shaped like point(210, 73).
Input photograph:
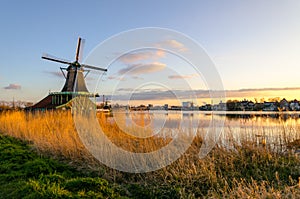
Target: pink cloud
point(115, 77)
point(13, 87)
point(182, 76)
point(137, 69)
point(173, 44)
point(141, 56)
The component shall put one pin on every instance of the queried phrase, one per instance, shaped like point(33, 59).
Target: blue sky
point(254, 44)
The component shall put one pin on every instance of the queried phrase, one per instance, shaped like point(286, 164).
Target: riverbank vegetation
point(43, 157)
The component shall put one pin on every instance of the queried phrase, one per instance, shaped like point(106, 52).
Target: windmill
point(74, 84)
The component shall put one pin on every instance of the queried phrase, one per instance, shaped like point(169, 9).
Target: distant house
point(186, 105)
point(176, 108)
point(258, 106)
point(284, 105)
point(294, 105)
point(155, 108)
point(220, 107)
point(269, 106)
point(166, 107)
point(206, 107)
point(189, 105)
point(246, 105)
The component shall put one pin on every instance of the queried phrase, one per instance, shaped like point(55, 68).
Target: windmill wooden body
point(74, 85)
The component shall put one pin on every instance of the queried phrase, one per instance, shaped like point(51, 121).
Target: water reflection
point(275, 130)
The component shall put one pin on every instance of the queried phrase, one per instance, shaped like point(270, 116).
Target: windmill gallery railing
point(58, 98)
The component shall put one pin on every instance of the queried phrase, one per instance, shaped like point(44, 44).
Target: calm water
point(276, 129)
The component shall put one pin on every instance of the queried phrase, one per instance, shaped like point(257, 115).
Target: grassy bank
point(26, 174)
point(245, 171)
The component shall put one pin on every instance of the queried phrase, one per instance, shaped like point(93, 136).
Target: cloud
point(139, 56)
point(117, 78)
point(59, 74)
point(267, 89)
point(142, 90)
point(125, 89)
point(13, 87)
point(184, 94)
point(182, 76)
point(255, 92)
point(88, 78)
point(173, 44)
point(133, 57)
point(137, 69)
point(136, 77)
point(152, 94)
point(54, 73)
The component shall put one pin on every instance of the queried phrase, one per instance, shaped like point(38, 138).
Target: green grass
point(25, 174)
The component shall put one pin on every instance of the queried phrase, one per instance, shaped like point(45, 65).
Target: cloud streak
point(183, 94)
point(267, 89)
point(59, 74)
point(138, 69)
point(182, 76)
point(137, 77)
point(176, 45)
point(147, 55)
point(116, 78)
point(54, 73)
point(141, 56)
point(13, 87)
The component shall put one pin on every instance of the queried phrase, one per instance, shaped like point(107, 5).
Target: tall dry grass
point(140, 141)
point(52, 132)
point(246, 169)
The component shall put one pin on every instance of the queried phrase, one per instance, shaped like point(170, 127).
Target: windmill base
point(59, 100)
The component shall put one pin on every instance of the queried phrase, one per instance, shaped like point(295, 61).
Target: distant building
point(206, 107)
point(284, 105)
point(258, 106)
point(246, 105)
point(186, 105)
point(189, 106)
point(270, 106)
point(294, 105)
point(220, 107)
point(176, 108)
point(166, 107)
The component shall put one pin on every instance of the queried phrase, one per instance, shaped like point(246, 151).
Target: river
point(275, 129)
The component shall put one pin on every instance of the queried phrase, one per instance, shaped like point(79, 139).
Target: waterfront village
point(275, 104)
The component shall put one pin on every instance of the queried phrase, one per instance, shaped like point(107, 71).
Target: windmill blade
point(55, 59)
point(78, 49)
point(80, 55)
point(93, 67)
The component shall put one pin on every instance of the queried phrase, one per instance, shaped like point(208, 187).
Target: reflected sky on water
point(276, 129)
